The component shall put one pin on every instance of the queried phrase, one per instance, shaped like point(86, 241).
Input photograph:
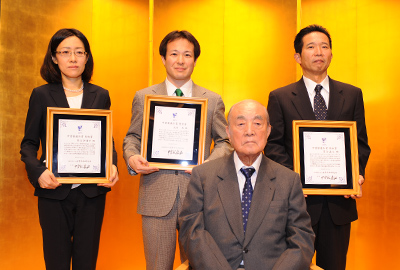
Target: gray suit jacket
point(158, 190)
point(278, 234)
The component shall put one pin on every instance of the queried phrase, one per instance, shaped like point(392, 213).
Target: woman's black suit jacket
point(52, 95)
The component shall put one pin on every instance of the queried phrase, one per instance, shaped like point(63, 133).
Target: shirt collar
point(239, 164)
point(310, 84)
point(186, 88)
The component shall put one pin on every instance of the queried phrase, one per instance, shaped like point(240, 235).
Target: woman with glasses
point(70, 215)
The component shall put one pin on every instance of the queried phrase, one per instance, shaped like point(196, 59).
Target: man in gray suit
point(225, 224)
point(161, 192)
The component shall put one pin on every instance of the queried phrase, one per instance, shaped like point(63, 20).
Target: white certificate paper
point(173, 133)
point(79, 146)
point(324, 158)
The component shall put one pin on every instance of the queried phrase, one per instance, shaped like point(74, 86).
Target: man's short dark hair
point(50, 71)
point(298, 41)
point(177, 35)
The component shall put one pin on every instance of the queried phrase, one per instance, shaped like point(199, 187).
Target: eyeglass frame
point(70, 53)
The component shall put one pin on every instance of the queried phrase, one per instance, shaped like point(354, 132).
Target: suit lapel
point(262, 197)
point(301, 101)
point(160, 89)
point(89, 95)
point(197, 91)
point(58, 95)
point(228, 190)
point(336, 101)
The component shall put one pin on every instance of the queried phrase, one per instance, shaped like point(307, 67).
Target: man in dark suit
point(317, 97)
point(161, 192)
point(226, 225)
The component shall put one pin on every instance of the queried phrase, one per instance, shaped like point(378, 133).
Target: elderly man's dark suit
point(292, 102)
point(278, 234)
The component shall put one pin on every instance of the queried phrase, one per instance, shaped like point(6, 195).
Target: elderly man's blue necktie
point(247, 194)
point(320, 109)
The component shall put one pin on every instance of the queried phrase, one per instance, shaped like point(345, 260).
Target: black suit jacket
point(52, 95)
point(293, 103)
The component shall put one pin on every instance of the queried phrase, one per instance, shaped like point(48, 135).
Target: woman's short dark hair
point(298, 41)
point(50, 71)
point(177, 35)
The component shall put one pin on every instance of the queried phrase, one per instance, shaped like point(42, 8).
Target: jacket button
point(245, 250)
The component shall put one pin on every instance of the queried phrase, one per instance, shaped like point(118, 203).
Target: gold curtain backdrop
point(247, 51)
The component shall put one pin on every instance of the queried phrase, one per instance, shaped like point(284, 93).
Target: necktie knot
point(178, 92)
point(247, 172)
point(318, 88)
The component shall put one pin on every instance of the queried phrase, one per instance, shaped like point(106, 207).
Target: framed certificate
point(173, 131)
point(79, 145)
point(325, 154)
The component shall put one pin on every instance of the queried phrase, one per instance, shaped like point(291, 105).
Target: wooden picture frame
point(325, 154)
point(173, 131)
point(79, 145)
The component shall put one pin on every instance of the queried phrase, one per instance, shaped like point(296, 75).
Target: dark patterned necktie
point(320, 109)
point(179, 92)
point(247, 194)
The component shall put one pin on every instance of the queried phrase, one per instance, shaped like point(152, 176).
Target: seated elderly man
point(244, 211)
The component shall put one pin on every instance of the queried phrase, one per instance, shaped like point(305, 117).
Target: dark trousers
point(331, 241)
point(71, 229)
